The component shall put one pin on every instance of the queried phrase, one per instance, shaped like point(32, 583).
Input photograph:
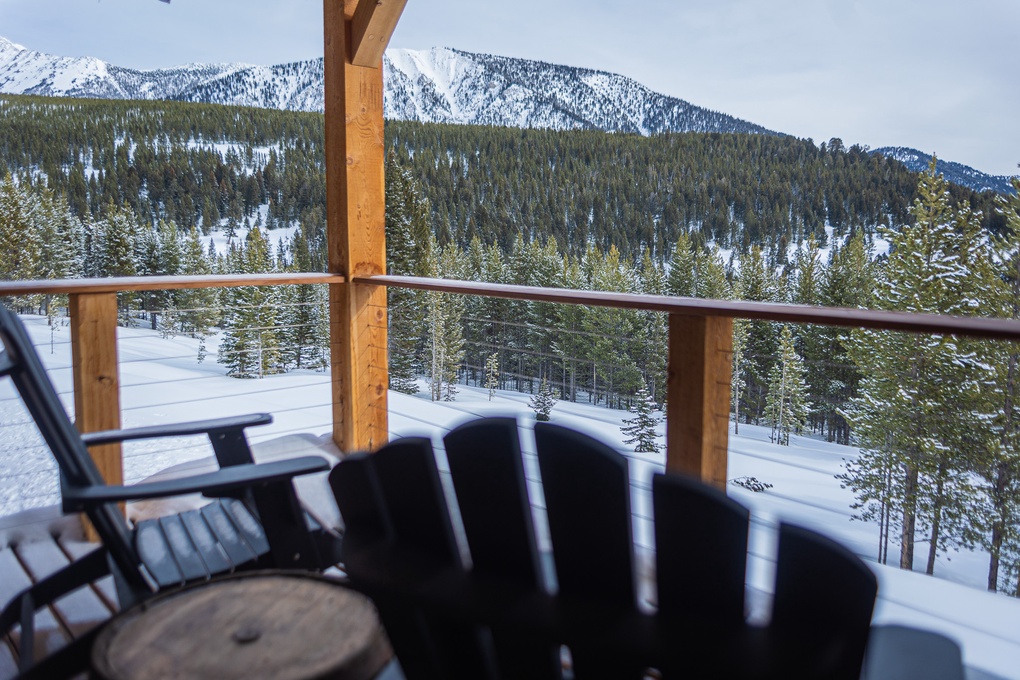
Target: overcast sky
point(941, 76)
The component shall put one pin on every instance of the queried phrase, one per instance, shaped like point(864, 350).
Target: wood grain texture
point(96, 380)
point(371, 29)
point(104, 588)
point(79, 611)
point(255, 626)
point(1001, 329)
point(138, 283)
point(698, 402)
point(49, 634)
point(996, 329)
point(355, 217)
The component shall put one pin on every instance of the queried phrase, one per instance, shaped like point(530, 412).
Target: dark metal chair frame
point(254, 521)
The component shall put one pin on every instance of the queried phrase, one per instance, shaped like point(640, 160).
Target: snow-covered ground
point(162, 382)
point(221, 244)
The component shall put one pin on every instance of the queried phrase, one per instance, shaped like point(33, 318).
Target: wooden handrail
point(977, 327)
point(137, 283)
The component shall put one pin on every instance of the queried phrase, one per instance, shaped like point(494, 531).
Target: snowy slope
point(23, 71)
point(957, 173)
point(438, 85)
point(162, 382)
point(444, 85)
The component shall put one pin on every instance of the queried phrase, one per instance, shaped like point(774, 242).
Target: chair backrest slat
point(700, 553)
point(821, 613)
point(587, 497)
point(414, 500)
point(394, 500)
point(488, 477)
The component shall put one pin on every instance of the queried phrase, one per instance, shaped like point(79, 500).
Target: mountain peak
point(441, 84)
point(7, 45)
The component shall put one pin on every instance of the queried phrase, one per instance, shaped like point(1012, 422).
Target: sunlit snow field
point(162, 382)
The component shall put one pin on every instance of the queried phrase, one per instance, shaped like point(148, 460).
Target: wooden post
point(698, 402)
point(96, 382)
point(356, 228)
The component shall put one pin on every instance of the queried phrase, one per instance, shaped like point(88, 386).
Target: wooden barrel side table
point(279, 625)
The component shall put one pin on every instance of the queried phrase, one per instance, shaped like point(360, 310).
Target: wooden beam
point(968, 326)
point(698, 396)
point(117, 284)
point(356, 231)
point(371, 29)
point(96, 381)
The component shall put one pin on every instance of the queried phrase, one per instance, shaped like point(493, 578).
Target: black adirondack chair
point(502, 615)
point(254, 521)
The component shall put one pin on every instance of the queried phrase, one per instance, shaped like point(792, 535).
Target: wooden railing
point(92, 306)
point(699, 351)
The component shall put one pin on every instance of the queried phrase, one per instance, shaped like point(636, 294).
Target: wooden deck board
point(104, 587)
point(8, 664)
point(80, 611)
point(50, 635)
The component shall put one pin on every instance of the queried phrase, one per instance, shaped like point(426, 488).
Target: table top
point(280, 625)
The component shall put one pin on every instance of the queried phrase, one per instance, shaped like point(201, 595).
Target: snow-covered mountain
point(23, 71)
point(957, 173)
point(451, 86)
point(440, 85)
point(437, 85)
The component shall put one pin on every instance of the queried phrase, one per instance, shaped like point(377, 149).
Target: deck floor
point(24, 560)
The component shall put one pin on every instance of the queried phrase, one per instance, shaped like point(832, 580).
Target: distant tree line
point(200, 164)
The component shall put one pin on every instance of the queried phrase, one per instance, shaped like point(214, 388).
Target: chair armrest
point(177, 429)
point(224, 479)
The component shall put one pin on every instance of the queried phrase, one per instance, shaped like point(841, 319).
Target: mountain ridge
point(438, 85)
point(957, 173)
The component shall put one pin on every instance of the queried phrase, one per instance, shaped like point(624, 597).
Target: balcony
point(160, 380)
point(111, 376)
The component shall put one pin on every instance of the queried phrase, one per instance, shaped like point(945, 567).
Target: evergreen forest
point(111, 188)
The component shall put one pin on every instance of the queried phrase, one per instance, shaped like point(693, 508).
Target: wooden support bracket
point(698, 401)
point(371, 30)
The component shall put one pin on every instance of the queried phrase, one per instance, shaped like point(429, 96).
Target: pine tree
point(61, 239)
point(682, 278)
point(786, 403)
point(653, 331)
point(919, 396)
point(737, 382)
point(250, 346)
point(197, 309)
point(998, 518)
point(711, 275)
point(849, 281)
point(492, 374)
point(19, 238)
point(543, 401)
point(811, 345)
point(408, 252)
point(640, 430)
point(758, 282)
point(446, 334)
point(302, 344)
